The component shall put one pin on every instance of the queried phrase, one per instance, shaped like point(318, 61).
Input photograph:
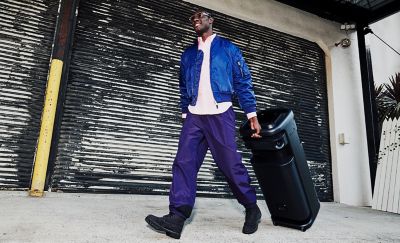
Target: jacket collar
point(196, 41)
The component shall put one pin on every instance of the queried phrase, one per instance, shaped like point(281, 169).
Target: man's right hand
point(184, 115)
point(255, 126)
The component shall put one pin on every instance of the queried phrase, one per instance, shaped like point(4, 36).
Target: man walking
point(211, 71)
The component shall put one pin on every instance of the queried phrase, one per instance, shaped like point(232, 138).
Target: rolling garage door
point(121, 120)
point(26, 36)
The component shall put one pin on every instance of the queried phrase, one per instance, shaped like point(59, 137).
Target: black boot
point(171, 224)
point(253, 216)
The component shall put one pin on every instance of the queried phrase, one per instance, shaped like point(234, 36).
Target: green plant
point(387, 97)
point(380, 104)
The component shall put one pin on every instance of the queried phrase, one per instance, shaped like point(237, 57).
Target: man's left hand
point(255, 126)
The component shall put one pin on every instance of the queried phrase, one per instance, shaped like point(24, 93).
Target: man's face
point(201, 22)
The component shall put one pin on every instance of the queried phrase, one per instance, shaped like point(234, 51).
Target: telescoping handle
point(272, 121)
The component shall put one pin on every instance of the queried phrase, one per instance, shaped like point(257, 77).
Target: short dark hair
point(201, 10)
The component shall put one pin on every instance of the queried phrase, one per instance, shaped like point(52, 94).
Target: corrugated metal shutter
point(121, 121)
point(26, 35)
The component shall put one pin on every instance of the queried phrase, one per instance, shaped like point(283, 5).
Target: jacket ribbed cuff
point(185, 110)
point(249, 109)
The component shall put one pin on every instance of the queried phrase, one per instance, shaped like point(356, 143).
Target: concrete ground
point(62, 217)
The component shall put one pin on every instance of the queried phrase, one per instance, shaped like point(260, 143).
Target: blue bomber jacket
point(229, 75)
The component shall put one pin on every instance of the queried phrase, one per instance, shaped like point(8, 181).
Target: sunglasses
point(199, 16)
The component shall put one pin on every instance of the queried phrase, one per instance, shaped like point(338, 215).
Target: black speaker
point(281, 169)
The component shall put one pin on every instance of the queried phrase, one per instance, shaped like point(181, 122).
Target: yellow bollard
point(46, 129)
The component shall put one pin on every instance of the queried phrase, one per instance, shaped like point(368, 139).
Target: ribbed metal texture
point(121, 121)
point(368, 4)
point(26, 35)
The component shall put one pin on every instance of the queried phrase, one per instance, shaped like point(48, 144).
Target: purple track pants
point(200, 133)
